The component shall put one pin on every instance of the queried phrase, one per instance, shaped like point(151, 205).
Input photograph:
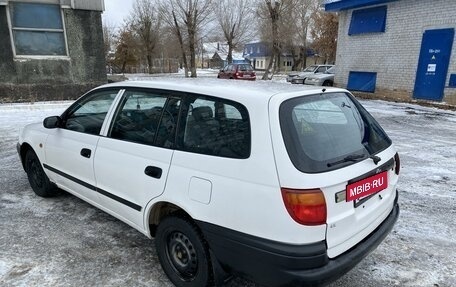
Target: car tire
point(327, 83)
point(37, 178)
point(183, 253)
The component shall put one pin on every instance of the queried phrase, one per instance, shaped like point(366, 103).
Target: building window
point(258, 49)
point(371, 20)
point(37, 29)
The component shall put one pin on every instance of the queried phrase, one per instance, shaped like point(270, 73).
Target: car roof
point(240, 91)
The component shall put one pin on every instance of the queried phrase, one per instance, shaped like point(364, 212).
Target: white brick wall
point(394, 54)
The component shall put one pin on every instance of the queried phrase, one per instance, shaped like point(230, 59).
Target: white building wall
point(394, 54)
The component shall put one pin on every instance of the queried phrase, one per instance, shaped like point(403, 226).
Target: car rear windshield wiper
point(353, 157)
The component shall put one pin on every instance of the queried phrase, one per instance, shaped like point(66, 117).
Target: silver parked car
point(300, 77)
point(324, 79)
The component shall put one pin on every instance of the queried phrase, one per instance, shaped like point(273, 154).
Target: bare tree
point(108, 40)
point(146, 23)
point(187, 18)
point(125, 52)
point(324, 34)
point(274, 11)
point(235, 19)
point(298, 24)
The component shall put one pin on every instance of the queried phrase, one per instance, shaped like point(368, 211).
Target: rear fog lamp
point(305, 206)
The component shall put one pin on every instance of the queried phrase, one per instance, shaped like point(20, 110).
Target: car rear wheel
point(183, 253)
point(37, 178)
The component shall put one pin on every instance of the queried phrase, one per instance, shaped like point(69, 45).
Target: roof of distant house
point(210, 48)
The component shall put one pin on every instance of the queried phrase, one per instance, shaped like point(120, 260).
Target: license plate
point(366, 187)
point(246, 76)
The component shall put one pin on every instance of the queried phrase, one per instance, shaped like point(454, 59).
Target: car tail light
point(305, 206)
point(397, 162)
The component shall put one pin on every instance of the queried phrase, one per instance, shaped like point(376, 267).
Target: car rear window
point(245, 67)
point(328, 131)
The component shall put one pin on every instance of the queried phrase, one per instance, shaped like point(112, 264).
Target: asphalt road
point(64, 241)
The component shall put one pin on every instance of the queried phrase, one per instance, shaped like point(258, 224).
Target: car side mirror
point(222, 70)
point(52, 122)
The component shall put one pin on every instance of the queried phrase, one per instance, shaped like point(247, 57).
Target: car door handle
point(153, 171)
point(85, 152)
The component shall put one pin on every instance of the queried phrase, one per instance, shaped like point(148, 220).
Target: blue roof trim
point(352, 4)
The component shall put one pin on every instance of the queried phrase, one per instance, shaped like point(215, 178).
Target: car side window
point(216, 127)
point(321, 70)
point(146, 118)
point(88, 114)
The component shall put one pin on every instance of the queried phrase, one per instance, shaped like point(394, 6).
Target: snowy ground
point(65, 242)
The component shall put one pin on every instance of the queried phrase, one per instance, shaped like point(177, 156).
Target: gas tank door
point(200, 190)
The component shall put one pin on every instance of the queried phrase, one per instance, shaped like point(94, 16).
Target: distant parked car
point(237, 72)
point(325, 79)
point(299, 78)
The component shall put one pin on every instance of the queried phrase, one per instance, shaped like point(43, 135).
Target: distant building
point(397, 48)
point(259, 55)
point(215, 55)
point(50, 49)
point(220, 59)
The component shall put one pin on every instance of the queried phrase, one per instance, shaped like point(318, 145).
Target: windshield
point(310, 69)
point(328, 131)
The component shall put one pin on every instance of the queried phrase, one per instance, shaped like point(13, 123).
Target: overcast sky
point(116, 11)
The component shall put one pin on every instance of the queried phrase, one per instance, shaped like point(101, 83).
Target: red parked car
point(237, 72)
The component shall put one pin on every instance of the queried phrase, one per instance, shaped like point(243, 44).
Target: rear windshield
point(329, 131)
point(245, 67)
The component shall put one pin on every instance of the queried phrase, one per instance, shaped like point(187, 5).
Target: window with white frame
point(37, 29)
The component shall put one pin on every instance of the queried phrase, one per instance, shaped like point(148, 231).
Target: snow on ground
point(63, 241)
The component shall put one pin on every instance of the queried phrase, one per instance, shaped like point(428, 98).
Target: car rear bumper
point(246, 79)
point(273, 263)
point(297, 81)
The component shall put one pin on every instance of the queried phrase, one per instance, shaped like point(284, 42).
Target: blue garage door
point(433, 64)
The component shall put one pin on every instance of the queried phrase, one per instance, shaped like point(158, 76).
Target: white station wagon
point(280, 184)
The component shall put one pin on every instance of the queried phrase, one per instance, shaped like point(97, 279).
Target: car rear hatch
point(245, 71)
point(335, 147)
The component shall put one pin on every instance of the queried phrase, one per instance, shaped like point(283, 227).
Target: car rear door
point(133, 159)
point(70, 149)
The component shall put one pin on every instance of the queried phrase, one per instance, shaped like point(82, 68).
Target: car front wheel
point(183, 253)
point(37, 178)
